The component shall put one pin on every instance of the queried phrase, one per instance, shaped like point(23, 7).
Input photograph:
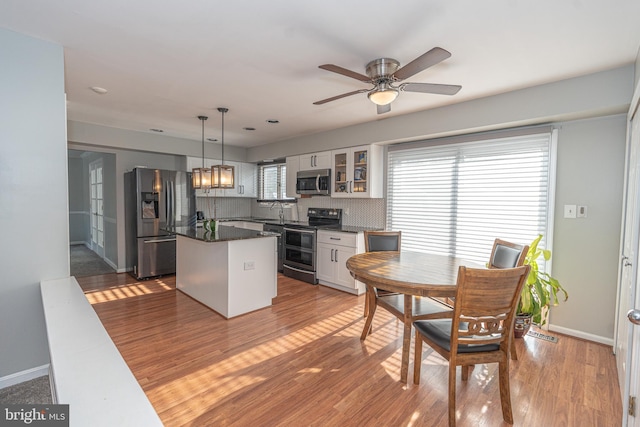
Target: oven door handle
point(298, 230)
point(298, 269)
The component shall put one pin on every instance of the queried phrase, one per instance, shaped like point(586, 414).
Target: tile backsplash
point(355, 212)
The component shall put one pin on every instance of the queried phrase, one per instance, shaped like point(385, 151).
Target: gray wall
point(33, 202)
point(78, 202)
point(585, 258)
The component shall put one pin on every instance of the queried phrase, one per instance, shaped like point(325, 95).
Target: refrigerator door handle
point(160, 240)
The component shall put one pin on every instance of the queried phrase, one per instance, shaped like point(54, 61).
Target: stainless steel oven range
point(300, 243)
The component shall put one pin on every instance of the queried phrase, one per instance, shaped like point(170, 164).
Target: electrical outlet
point(569, 211)
point(249, 265)
point(582, 211)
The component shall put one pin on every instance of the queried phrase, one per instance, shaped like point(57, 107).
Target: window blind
point(456, 198)
point(272, 182)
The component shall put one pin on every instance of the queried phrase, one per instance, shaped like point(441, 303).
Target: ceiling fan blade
point(426, 60)
point(430, 88)
point(345, 72)
point(383, 108)
point(333, 98)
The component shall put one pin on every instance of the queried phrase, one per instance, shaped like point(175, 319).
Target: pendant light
point(223, 176)
point(202, 176)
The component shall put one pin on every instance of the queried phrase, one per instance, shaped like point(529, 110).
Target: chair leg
point(505, 390)
point(514, 354)
point(452, 394)
point(417, 360)
point(465, 371)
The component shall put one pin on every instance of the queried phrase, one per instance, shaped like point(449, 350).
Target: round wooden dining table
point(408, 273)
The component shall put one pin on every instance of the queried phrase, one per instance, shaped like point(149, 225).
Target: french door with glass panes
point(96, 213)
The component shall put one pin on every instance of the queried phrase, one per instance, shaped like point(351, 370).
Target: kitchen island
point(233, 271)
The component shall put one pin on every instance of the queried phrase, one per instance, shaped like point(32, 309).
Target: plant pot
point(523, 323)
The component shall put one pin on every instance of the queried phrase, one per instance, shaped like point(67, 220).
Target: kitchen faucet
point(281, 212)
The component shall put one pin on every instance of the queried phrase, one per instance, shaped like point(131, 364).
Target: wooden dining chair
point(480, 330)
point(504, 254)
point(393, 302)
point(375, 241)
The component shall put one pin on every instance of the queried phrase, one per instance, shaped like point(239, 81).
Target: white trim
point(582, 335)
point(111, 263)
point(22, 376)
point(78, 242)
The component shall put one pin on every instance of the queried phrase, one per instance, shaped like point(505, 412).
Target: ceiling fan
point(383, 73)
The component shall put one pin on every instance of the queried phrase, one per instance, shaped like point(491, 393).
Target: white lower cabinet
point(333, 250)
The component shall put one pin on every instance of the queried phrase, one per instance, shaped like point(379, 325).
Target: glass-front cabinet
point(357, 172)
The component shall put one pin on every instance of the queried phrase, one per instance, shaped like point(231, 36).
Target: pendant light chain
point(202, 119)
point(223, 110)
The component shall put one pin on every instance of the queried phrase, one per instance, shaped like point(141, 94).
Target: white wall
point(33, 201)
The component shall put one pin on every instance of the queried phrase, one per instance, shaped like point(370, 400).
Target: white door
point(628, 337)
point(97, 209)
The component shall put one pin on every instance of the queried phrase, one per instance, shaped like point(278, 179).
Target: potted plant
point(538, 294)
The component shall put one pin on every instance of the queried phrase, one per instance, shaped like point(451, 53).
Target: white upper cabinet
point(357, 172)
point(315, 161)
point(293, 166)
point(246, 180)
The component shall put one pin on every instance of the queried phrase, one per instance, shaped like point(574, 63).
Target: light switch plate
point(570, 211)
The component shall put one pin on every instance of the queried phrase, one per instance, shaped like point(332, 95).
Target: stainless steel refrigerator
point(154, 201)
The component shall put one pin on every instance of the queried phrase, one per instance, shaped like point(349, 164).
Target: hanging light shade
point(223, 176)
point(202, 176)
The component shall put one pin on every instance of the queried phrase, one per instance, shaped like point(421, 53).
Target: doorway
point(92, 211)
point(627, 337)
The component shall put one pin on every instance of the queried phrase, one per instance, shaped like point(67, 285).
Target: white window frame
point(281, 184)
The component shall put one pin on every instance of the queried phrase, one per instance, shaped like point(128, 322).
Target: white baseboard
point(111, 263)
point(79, 242)
point(20, 377)
point(582, 335)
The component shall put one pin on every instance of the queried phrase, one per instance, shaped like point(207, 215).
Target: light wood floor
point(301, 363)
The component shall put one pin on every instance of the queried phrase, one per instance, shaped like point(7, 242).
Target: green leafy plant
point(541, 290)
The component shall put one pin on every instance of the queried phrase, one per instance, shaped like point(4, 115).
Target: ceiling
point(164, 62)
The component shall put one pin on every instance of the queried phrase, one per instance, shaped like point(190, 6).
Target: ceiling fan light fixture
point(383, 96)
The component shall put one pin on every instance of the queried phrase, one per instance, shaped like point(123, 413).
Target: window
point(455, 196)
point(273, 182)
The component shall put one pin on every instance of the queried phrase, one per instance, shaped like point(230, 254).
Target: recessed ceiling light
point(99, 90)
point(273, 121)
point(156, 130)
point(248, 128)
point(212, 139)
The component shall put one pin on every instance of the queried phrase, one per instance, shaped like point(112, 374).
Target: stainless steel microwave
point(316, 181)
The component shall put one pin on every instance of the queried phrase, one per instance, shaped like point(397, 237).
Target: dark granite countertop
point(275, 221)
point(222, 234)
